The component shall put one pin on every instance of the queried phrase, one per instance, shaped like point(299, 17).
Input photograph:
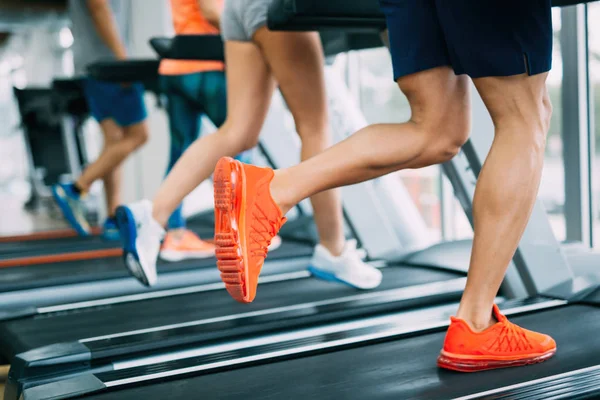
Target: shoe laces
point(511, 338)
point(263, 231)
point(352, 252)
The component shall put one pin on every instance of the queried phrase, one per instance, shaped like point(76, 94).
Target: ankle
point(335, 247)
point(177, 233)
point(478, 321)
point(79, 187)
point(280, 192)
point(160, 217)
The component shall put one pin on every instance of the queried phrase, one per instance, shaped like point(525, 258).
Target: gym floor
point(14, 220)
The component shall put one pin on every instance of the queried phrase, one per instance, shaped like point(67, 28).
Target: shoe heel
point(227, 183)
point(127, 233)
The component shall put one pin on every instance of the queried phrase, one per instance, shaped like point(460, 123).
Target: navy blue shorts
point(125, 105)
point(480, 38)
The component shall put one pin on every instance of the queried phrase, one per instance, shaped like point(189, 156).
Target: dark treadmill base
point(403, 369)
point(25, 334)
point(35, 248)
point(73, 272)
point(41, 247)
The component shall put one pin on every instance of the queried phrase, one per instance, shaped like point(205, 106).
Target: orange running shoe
point(188, 246)
point(502, 345)
point(246, 219)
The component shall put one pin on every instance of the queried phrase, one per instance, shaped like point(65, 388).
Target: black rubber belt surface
point(403, 369)
point(73, 272)
point(25, 334)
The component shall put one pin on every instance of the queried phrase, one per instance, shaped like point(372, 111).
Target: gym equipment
point(386, 357)
point(404, 287)
point(51, 119)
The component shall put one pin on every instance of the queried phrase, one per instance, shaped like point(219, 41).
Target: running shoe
point(141, 236)
point(348, 268)
point(502, 345)
point(110, 230)
point(246, 220)
point(70, 203)
point(185, 247)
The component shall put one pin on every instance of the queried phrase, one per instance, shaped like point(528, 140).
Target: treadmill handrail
point(190, 47)
point(126, 71)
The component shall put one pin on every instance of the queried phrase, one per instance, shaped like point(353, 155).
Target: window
point(552, 188)
point(594, 71)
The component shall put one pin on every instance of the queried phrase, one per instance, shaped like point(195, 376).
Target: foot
point(141, 236)
point(348, 268)
point(246, 220)
point(504, 344)
point(187, 246)
point(110, 230)
point(69, 202)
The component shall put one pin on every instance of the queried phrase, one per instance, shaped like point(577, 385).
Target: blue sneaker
point(141, 236)
point(72, 207)
point(110, 230)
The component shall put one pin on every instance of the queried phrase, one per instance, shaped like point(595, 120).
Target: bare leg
point(111, 157)
point(507, 186)
point(113, 133)
point(250, 86)
point(296, 60)
point(438, 127)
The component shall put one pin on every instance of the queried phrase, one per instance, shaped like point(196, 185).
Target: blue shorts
point(480, 38)
point(125, 105)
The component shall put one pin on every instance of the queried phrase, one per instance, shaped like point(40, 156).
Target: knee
point(444, 136)
point(316, 130)
point(139, 137)
point(239, 137)
point(527, 122)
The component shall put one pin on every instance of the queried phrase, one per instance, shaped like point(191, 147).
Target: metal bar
point(576, 134)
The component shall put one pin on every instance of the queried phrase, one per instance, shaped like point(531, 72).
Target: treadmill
point(81, 339)
point(380, 357)
point(48, 272)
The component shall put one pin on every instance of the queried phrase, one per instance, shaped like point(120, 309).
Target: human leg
point(125, 106)
point(508, 63)
point(184, 110)
point(113, 107)
point(142, 224)
point(296, 59)
point(112, 181)
point(438, 127)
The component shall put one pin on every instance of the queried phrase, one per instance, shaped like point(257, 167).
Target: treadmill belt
point(85, 271)
point(402, 369)
point(54, 246)
point(25, 334)
point(39, 247)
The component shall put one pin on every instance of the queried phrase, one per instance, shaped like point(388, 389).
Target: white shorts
point(242, 18)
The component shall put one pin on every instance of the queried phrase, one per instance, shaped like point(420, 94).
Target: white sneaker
point(348, 268)
point(141, 236)
point(275, 243)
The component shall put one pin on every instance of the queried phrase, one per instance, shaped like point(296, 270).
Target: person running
point(505, 47)
point(192, 89)
point(100, 31)
point(257, 60)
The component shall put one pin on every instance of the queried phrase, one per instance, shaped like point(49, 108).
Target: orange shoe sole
point(230, 208)
point(458, 363)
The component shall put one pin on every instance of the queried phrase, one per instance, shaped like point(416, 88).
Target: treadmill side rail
point(47, 358)
point(68, 388)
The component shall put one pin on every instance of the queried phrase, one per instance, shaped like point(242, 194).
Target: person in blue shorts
point(100, 29)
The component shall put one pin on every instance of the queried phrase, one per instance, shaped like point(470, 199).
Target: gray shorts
point(242, 18)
